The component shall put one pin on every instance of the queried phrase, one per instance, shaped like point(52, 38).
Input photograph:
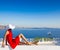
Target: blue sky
point(30, 13)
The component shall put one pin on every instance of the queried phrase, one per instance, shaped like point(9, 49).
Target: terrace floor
point(41, 46)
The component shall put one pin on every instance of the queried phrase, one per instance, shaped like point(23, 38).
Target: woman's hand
point(3, 45)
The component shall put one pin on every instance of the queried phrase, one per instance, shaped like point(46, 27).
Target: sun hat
point(10, 26)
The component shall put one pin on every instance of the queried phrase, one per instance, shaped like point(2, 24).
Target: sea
point(34, 32)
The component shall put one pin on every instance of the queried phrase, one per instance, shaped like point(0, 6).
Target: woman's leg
point(22, 43)
point(23, 37)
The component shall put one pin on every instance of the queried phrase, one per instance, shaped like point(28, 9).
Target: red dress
point(12, 42)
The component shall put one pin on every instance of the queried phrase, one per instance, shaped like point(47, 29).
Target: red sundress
point(12, 42)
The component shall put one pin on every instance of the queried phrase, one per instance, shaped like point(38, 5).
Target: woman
point(14, 42)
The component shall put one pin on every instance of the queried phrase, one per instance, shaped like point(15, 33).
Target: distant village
point(5, 27)
point(2, 27)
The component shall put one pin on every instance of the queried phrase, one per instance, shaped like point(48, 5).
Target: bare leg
point(22, 36)
point(22, 43)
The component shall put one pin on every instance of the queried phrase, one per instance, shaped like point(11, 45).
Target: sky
point(30, 13)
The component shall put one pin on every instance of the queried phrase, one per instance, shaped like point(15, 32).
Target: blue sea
point(33, 33)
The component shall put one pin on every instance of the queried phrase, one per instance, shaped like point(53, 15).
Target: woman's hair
point(10, 30)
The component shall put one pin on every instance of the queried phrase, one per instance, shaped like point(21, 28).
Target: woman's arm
point(4, 39)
